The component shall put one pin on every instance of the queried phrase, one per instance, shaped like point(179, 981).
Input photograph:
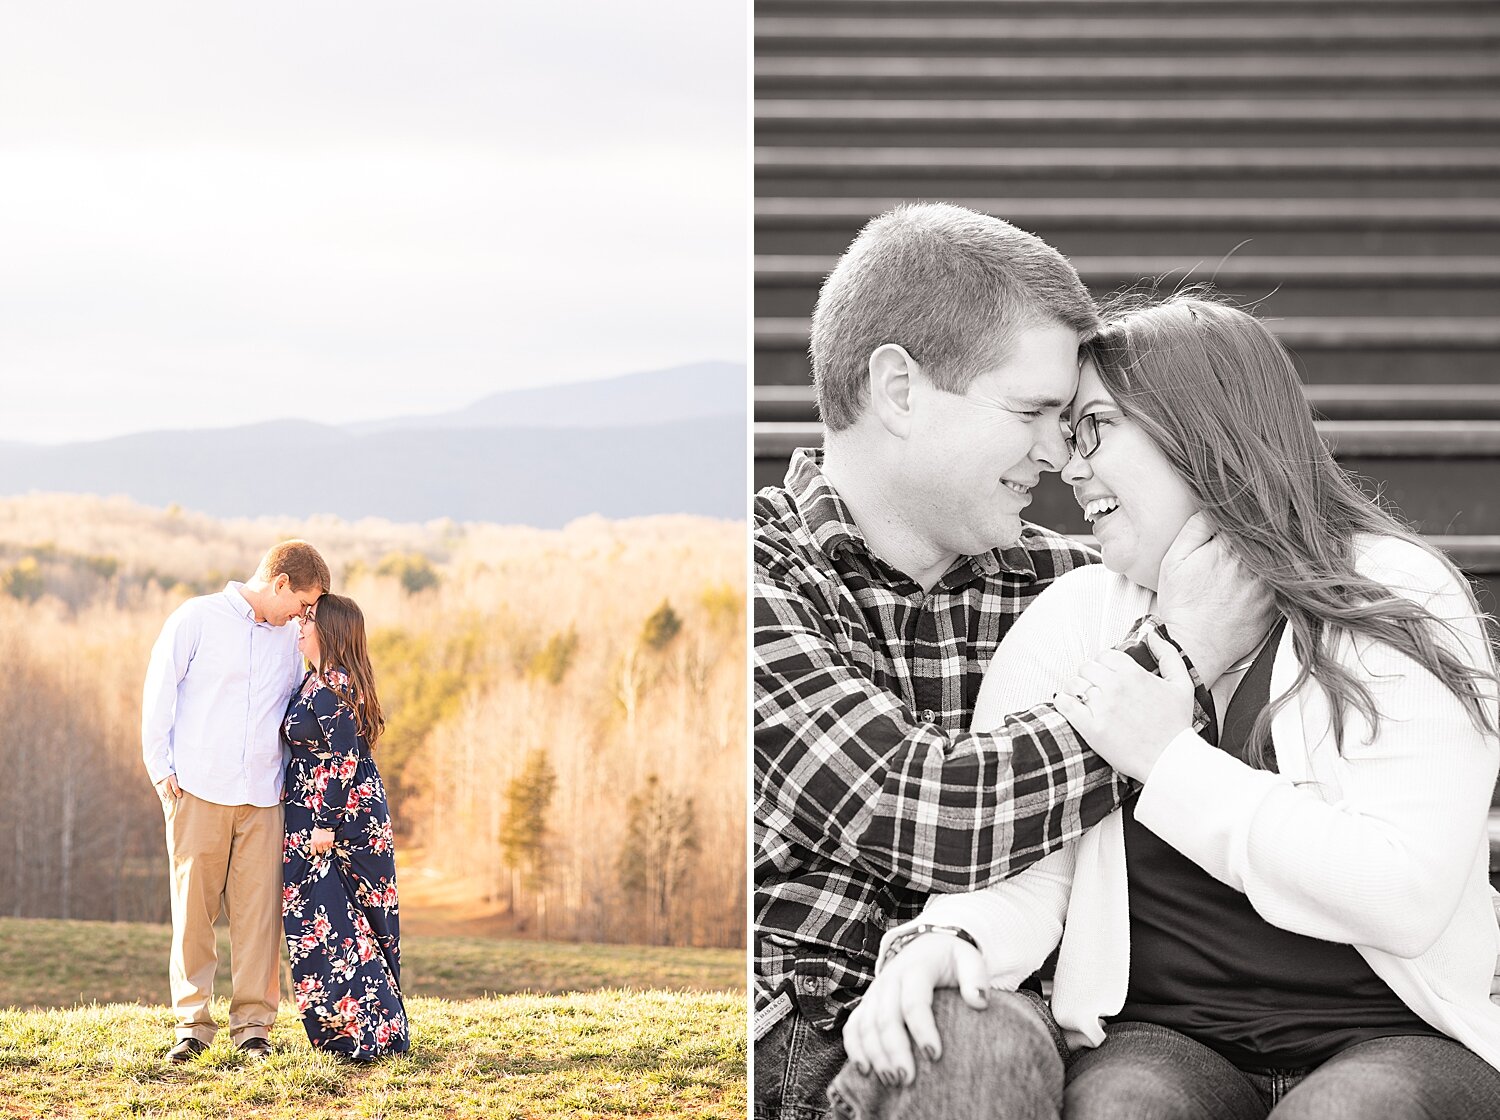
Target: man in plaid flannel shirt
point(888, 568)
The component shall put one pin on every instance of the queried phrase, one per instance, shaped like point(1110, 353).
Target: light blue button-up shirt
point(216, 692)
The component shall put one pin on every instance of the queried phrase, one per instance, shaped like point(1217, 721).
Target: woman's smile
point(1132, 497)
point(1095, 509)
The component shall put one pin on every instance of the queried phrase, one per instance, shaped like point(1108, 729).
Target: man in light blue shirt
point(217, 688)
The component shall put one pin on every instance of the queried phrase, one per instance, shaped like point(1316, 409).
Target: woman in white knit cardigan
point(1352, 813)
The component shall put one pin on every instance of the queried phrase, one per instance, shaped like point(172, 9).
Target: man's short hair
point(951, 286)
point(299, 562)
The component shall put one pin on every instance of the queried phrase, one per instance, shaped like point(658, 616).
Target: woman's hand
point(321, 841)
point(1212, 605)
point(1128, 715)
point(897, 1010)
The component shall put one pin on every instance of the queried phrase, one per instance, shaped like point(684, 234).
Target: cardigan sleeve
point(1381, 861)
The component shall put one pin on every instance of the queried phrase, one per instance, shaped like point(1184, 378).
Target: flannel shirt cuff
point(1135, 646)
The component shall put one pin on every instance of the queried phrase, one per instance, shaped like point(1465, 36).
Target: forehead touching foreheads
point(300, 562)
point(956, 289)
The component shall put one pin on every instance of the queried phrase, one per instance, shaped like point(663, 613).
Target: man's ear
point(891, 372)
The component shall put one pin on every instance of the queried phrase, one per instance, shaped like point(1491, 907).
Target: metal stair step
point(797, 403)
point(849, 214)
point(1323, 286)
point(1361, 271)
point(1118, 162)
point(1200, 228)
point(1216, 75)
point(969, 76)
point(935, 115)
point(1284, 32)
point(1363, 439)
point(1117, 9)
point(1311, 333)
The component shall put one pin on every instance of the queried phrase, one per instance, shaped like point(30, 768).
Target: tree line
point(566, 715)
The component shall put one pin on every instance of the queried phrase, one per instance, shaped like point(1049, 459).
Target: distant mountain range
point(663, 441)
point(636, 399)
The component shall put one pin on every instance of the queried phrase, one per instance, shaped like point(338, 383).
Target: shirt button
point(928, 716)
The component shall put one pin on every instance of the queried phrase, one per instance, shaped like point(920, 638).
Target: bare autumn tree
point(80, 828)
point(523, 835)
point(661, 845)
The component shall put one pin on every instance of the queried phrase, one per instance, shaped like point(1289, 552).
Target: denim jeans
point(794, 1062)
point(1146, 1072)
point(1013, 1067)
point(1004, 1061)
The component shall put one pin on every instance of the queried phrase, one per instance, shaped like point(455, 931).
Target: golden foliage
point(523, 641)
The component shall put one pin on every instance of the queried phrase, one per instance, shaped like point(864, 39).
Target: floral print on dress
point(339, 910)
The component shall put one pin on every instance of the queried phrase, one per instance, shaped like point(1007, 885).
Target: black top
point(1203, 962)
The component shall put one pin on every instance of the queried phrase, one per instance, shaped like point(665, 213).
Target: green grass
point(627, 1048)
point(46, 963)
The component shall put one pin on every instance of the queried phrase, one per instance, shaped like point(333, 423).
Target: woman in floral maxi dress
point(338, 863)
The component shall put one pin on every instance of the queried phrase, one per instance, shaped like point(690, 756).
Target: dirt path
point(437, 904)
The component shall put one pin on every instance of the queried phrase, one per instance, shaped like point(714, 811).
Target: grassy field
point(60, 964)
point(604, 1031)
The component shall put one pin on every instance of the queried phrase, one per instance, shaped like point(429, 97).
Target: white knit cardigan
point(1382, 847)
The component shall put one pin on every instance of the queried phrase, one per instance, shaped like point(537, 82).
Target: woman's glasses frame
point(1084, 438)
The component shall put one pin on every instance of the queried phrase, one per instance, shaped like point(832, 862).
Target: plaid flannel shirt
point(870, 794)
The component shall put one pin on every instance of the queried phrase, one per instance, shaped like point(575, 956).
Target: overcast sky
point(214, 214)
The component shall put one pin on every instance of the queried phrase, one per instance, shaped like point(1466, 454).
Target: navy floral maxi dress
point(339, 909)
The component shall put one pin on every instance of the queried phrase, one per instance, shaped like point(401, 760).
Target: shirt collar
point(832, 528)
point(241, 605)
point(824, 514)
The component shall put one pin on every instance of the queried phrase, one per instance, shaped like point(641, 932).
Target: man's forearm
point(927, 809)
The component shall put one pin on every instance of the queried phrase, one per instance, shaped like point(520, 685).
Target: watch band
point(907, 936)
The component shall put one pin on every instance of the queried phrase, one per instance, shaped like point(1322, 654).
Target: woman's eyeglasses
point(1084, 438)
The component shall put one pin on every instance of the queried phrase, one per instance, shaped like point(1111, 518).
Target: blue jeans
point(1006, 1068)
point(1146, 1072)
point(1005, 1061)
point(794, 1062)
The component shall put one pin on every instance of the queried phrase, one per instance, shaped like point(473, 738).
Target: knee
point(1120, 1090)
point(1374, 1090)
point(1001, 1061)
point(1011, 1033)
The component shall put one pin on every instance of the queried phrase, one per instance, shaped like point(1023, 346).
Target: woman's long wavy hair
point(1220, 396)
point(342, 646)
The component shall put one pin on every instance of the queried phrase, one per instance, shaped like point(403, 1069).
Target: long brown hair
point(342, 647)
point(1218, 393)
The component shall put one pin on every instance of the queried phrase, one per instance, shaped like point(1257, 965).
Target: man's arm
point(845, 769)
point(170, 658)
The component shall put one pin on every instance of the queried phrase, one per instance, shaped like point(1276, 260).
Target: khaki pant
point(229, 856)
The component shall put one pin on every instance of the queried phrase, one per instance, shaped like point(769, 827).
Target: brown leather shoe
point(186, 1050)
point(257, 1049)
